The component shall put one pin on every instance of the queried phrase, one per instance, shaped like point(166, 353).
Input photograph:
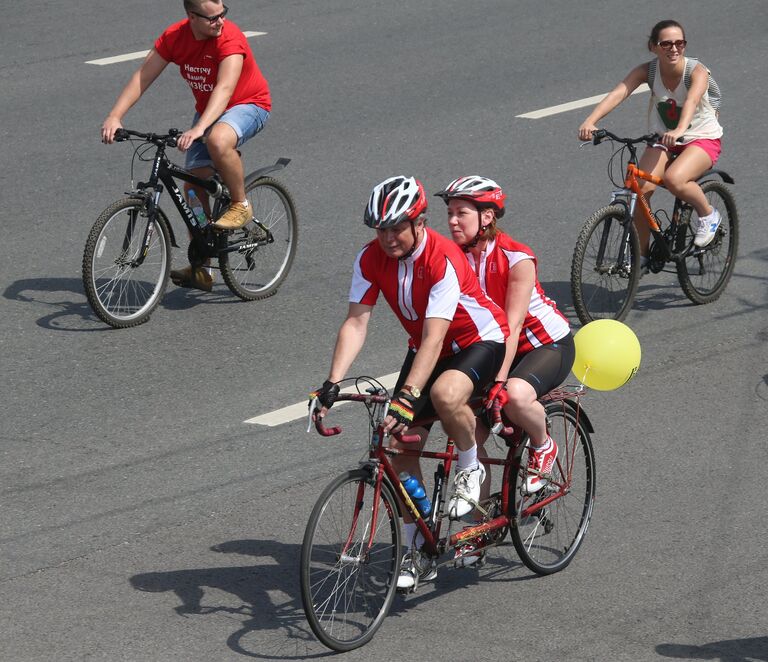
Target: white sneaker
point(415, 568)
point(707, 229)
point(466, 491)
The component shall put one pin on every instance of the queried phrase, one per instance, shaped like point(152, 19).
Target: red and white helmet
point(395, 200)
point(482, 191)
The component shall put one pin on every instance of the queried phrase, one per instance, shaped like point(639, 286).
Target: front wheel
point(256, 258)
point(350, 560)
point(126, 263)
point(605, 269)
point(704, 272)
point(549, 525)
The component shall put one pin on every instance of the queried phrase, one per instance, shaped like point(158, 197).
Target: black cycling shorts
point(545, 367)
point(480, 362)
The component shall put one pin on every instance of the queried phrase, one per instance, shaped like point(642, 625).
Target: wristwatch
point(415, 391)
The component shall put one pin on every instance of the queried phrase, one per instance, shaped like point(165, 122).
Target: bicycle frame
point(381, 469)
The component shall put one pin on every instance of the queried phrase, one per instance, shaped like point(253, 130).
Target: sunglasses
point(213, 19)
point(667, 45)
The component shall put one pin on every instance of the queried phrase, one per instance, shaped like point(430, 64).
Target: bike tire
point(547, 539)
point(601, 287)
point(704, 272)
point(255, 262)
point(121, 292)
point(347, 588)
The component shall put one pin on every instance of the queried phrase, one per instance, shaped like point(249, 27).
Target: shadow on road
point(274, 628)
point(74, 313)
point(754, 649)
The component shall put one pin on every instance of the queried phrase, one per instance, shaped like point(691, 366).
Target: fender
point(262, 172)
point(720, 173)
point(583, 418)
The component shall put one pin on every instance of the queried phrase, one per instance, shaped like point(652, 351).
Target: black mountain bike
point(127, 255)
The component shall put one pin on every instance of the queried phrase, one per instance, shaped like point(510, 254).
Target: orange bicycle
point(605, 270)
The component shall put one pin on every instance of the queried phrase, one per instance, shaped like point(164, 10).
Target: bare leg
point(409, 463)
point(680, 178)
point(450, 396)
point(222, 146)
point(525, 410)
point(653, 161)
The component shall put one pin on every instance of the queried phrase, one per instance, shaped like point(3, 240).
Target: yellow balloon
point(607, 354)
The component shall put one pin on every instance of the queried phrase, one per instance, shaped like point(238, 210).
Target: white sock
point(468, 459)
point(409, 530)
point(709, 217)
point(547, 445)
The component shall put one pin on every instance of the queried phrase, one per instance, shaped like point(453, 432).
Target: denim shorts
point(246, 119)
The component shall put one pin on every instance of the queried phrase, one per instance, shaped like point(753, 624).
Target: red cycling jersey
point(199, 60)
point(544, 323)
point(435, 281)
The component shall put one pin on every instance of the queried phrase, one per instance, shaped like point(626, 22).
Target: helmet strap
point(415, 241)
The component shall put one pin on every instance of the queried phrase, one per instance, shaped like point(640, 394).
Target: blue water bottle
point(197, 208)
point(416, 491)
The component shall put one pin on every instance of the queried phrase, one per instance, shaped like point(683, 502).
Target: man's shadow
point(70, 311)
point(753, 649)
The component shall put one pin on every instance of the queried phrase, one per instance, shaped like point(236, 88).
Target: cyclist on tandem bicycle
point(457, 335)
point(232, 104)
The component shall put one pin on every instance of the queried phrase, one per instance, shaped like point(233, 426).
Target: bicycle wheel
point(257, 257)
point(549, 525)
point(123, 287)
point(704, 272)
point(601, 285)
point(349, 561)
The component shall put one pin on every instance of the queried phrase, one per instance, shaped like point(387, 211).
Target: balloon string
point(586, 370)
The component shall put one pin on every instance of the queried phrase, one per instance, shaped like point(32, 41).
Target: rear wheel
point(704, 272)
point(350, 560)
point(605, 267)
point(257, 257)
point(124, 281)
point(549, 525)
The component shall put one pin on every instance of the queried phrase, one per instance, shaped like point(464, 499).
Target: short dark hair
point(194, 5)
point(653, 38)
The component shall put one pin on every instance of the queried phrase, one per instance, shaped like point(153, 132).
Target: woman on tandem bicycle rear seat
point(456, 336)
point(680, 109)
point(540, 349)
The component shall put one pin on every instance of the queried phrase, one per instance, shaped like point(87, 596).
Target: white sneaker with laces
point(707, 229)
point(466, 491)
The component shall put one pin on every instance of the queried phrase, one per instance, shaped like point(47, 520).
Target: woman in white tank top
point(677, 112)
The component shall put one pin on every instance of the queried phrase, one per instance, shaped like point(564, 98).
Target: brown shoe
point(235, 217)
point(200, 279)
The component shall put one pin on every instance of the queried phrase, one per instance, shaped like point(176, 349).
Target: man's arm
point(142, 78)
point(230, 69)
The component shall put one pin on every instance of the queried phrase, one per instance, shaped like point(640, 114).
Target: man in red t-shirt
point(232, 104)
point(456, 336)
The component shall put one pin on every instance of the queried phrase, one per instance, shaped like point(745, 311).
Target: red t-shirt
point(544, 324)
point(435, 281)
point(198, 62)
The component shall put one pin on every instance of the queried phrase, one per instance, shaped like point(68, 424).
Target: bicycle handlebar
point(168, 139)
point(603, 134)
point(497, 427)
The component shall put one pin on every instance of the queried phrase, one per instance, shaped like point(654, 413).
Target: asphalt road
point(141, 519)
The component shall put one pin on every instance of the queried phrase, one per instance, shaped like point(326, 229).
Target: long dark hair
point(653, 39)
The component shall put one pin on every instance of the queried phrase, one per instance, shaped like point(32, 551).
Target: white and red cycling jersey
point(435, 281)
point(544, 323)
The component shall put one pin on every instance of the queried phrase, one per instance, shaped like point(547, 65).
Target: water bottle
point(416, 491)
point(197, 208)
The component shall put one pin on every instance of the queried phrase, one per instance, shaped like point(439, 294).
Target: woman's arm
point(633, 80)
point(520, 282)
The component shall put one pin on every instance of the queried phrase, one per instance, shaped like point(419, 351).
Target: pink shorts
point(709, 145)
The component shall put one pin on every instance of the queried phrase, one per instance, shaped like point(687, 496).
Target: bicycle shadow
point(270, 629)
point(70, 313)
point(753, 649)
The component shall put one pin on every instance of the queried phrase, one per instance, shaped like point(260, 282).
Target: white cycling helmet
point(484, 192)
point(395, 200)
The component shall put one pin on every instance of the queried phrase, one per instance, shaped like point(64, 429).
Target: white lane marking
point(572, 105)
point(140, 54)
point(299, 410)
